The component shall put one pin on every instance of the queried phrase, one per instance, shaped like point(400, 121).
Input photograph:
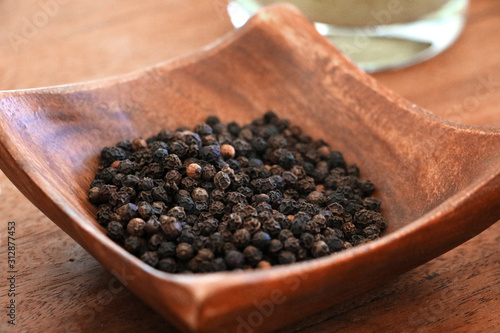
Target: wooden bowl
point(439, 182)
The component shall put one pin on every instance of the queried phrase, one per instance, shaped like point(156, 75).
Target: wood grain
point(79, 295)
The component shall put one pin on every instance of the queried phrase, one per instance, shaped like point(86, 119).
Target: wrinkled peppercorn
point(224, 197)
point(222, 180)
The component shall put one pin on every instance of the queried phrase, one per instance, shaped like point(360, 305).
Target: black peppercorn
point(170, 226)
point(150, 258)
point(208, 225)
point(222, 180)
point(135, 227)
point(144, 209)
point(155, 241)
point(199, 194)
point(372, 204)
point(275, 246)
point(284, 235)
point(178, 213)
point(234, 259)
point(261, 240)
point(334, 243)
point(158, 208)
point(133, 244)
point(127, 212)
point(348, 229)
point(167, 265)
point(184, 251)
point(252, 225)
point(210, 154)
point(217, 208)
point(252, 255)
point(152, 225)
point(319, 249)
point(241, 238)
point(187, 236)
point(271, 226)
point(172, 162)
point(286, 257)
point(184, 200)
point(167, 249)
point(292, 244)
point(307, 240)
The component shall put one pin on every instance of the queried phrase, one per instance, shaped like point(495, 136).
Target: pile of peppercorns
point(225, 197)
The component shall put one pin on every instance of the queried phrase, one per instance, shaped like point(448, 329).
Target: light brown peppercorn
point(264, 264)
point(139, 144)
point(115, 164)
point(324, 151)
point(227, 151)
point(193, 170)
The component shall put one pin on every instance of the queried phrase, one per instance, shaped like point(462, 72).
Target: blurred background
point(48, 42)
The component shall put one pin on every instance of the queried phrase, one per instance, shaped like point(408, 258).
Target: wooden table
point(61, 288)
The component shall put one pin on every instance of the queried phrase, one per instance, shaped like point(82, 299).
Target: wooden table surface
point(61, 288)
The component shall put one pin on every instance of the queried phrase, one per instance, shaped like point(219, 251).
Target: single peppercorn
point(264, 264)
point(208, 226)
point(177, 212)
point(210, 153)
point(334, 243)
point(292, 244)
point(194, 170)
point(199, 194)
point(144, 209)
point(320, 249)
point(261, 240)
point(275, 246)
point(241, 238)
point(252, 255)
point(150, 258)
point(167, 249)
point(285, 234)
point(307, 240)
point(170, 226)
point(133, 244)
point(286, 257)
point(184, 251)
point(139, 144)
point(135, 227)
point(227, 151)
point(167, 265)
point(234, 259)
point(155, 241)
point(222, 180)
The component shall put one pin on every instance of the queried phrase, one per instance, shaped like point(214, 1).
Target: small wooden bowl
point(439, 182)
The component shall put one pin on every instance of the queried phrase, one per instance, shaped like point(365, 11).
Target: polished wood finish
point(92, 309)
